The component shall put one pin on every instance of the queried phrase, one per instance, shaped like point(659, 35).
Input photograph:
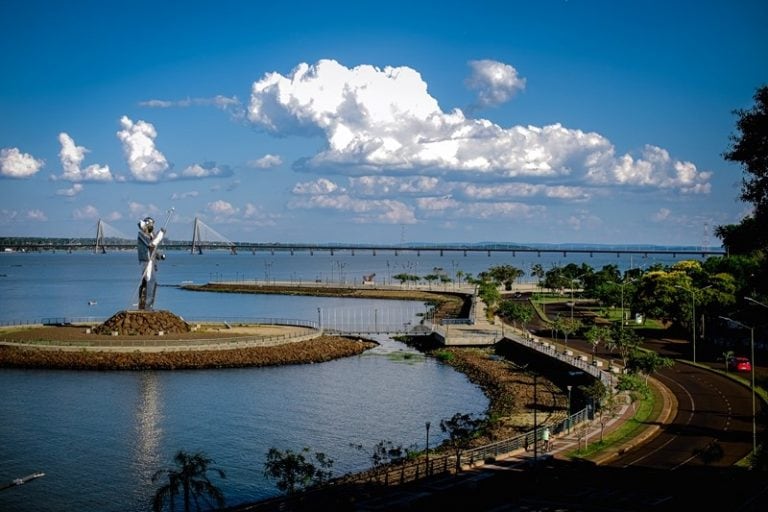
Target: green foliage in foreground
point(294, 471)
point(187, 482)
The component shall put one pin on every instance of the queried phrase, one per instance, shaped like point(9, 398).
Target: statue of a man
point(146, 245)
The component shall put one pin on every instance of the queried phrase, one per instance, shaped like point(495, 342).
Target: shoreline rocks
point(316, 350)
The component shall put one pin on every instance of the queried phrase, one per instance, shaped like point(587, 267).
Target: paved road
point(712, 427)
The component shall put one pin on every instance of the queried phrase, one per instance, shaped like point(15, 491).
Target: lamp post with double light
point(753, 301)
point(573, 281)
point(623, 282)
point(569, 407)
point(752, 365)
point(692, 291)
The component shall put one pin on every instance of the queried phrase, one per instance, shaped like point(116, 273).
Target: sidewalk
point(567, 443)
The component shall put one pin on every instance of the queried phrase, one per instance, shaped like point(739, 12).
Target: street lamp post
point(569, 407)
point(623, 282)
point(752, 364)
point(427, 424)
point(573, 281)
point(693, 314)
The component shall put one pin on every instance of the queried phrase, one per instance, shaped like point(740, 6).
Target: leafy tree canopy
point(749, 147)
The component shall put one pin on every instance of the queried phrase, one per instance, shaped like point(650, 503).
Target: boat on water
point(25, 479)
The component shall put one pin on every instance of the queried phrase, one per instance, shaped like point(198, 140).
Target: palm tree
point(188, 477)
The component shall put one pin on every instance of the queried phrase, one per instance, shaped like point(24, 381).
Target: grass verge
point(647, 410)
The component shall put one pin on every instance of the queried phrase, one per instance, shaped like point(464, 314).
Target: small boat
point(91, 302)
point(25, 479)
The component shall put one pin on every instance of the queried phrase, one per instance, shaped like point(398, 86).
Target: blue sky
point(532, 122)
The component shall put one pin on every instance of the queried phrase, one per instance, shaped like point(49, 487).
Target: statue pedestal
point(143, 323)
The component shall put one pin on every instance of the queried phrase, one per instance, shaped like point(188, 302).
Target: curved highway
point(713, 425)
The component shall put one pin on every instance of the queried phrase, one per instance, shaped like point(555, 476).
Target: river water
point(99, 436)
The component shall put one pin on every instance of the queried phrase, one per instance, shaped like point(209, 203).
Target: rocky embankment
point(317, 350)
point(143, 323)
point(509, 390)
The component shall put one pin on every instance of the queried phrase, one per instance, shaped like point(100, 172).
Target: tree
point(749, 147)
point(294, 472)
point(624, 341)
point(461, 429)
point(556, 279)
point(648, 363)
point(537, 271)
point(430, 278)
point(402, 277)
point(385, 452)
point(489, 293)
point(605, 402)
point(516, 311)
point(188, 477)
point(505, 275)
point(608, 410)
point(596, 335)
point(569, 326)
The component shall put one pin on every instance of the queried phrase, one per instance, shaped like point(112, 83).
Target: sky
point(556, 121)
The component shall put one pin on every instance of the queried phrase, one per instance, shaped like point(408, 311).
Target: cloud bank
point(384, 121)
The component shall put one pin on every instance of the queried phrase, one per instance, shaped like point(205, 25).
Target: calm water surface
point(99, 436)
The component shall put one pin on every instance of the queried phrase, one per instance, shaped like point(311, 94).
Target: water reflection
point(147, 429)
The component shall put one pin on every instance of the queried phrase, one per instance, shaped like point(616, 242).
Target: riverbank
point(27, 352)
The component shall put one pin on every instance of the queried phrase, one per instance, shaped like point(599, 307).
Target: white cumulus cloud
point(141, 210)
point(71, 156)
point(75, 189)
point(654, 168)
point(495, 82)
point(36, 215)
point(144, 160)
point(662, 214)
point(382, 211)
point(205, 170)
point(184, 195)
point(319, 186)
point(384, 121)
point(397, 185)
point(505, 190)
point(87, 212)
point(229, 104)
point(257, 216)
point(449, 208)
point(15, 164)
point(266, 162)
point(221, 208)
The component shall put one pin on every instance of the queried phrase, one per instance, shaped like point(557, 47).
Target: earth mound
point(143, 323)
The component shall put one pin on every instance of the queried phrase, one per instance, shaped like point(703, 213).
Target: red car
point(740, 364)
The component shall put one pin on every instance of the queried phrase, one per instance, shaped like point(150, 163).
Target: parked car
point(740, 364)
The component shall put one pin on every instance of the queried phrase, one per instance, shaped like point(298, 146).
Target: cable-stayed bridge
point(205, 238)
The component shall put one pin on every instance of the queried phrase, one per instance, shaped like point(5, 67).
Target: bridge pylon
point(99, 238)
point(196, 238)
